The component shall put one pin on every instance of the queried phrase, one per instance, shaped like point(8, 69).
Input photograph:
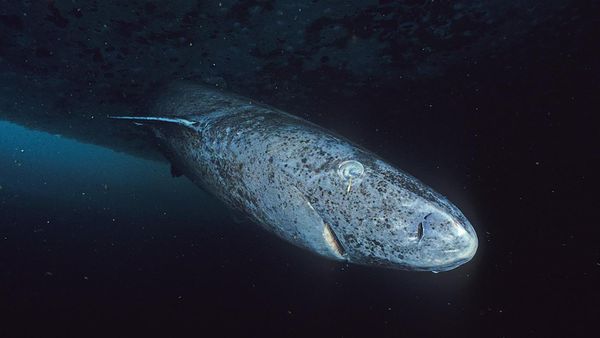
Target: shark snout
point(446, 242)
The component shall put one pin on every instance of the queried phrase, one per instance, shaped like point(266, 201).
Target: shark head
point(378, 215)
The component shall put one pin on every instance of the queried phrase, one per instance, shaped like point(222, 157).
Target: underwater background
point(493, 104)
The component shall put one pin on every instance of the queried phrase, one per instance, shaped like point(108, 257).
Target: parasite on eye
point(350, 170)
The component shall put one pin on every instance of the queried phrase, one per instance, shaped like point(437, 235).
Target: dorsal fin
point(156, 119)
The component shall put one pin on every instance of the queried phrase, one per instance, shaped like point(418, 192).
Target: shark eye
point(351, 169)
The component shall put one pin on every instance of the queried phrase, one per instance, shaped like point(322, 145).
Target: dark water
point(95, 242)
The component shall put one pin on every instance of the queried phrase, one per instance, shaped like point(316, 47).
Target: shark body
point(307, 185)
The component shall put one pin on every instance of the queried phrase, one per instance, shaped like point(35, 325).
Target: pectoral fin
point(332, 240)
point(301, 224)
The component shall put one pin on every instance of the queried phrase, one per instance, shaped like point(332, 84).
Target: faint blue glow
point(54, 169)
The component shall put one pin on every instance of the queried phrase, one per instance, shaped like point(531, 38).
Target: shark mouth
point(332, 241)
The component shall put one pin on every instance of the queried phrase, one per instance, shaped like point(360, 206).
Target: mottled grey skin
point(310, 187)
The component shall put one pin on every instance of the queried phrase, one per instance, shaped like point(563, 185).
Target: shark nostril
point(420, 231)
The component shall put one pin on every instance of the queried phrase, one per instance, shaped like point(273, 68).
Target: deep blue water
point(493, 104)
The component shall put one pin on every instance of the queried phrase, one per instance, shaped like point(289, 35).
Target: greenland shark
point(305, 184)
point(64, 66)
